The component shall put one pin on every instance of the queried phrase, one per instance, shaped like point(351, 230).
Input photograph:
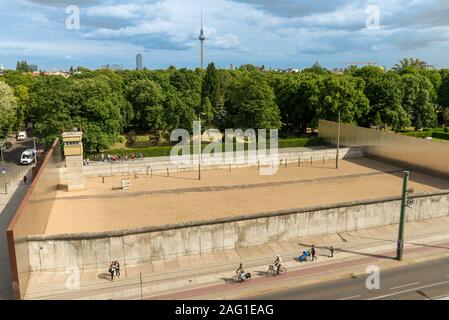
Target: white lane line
point(404, 285)
point(442, 297)
point(393, 294)
point(347, 298)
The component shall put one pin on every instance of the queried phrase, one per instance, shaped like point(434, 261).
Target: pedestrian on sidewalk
point(313, 252)
point(331, 252)
point(112, 270)
point(25, 178)
point(117, 268)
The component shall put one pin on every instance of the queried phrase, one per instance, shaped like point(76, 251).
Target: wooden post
point(168, 174)
point(286, 162)
point(102, 178)
point(323, 159)
point(299, 161)
point(229, 168)
point(199, 171)
point(311, 157)
point(151, 172)
point(258, 165)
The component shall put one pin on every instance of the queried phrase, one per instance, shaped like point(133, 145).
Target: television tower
point(202, 37)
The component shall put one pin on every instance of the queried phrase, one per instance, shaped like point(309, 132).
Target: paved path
point(182, 279)
point(8, 206)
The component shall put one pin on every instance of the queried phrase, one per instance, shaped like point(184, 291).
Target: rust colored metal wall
point(31, 217)
point(430, 157)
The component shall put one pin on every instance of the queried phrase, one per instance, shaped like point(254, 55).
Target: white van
point(27, 156)
point(22, 135)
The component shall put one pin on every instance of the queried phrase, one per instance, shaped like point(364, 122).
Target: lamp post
point(3, 169)
point(199, 148)
point(338, 141)
point(35, 151)
point(404, 203)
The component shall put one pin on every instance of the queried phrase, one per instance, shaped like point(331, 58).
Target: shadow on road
point(336, 250)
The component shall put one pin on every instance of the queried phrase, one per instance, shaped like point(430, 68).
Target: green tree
point(146, 97)
point(408, 64)
point(419, 99)
point(344, 93)
point(250, 102)
point(23, 101)
point(8, 107)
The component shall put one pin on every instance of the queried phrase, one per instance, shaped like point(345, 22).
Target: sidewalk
point(8, 205)
point(181, 278)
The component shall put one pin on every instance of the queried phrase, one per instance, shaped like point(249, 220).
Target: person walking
point(331, 252)
point(117, 268)
point(112, 270)
point(25, 179)
point(313, 252)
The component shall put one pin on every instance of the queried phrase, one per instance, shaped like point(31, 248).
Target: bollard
point(199, 171)
point(286, 162)
point(311, 160)
point(299, 161)
point(102, 178)
point(168, 174)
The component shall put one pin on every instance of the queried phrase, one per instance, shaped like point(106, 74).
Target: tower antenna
point(202, 37)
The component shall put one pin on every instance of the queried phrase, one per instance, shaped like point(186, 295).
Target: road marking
point(347, 298)
point(404, 285)
point(393, 294)
point(442, 297)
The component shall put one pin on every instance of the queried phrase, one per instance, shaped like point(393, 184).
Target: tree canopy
point(106, 103)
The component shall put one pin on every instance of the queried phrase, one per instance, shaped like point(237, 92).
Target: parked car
point(27, 156)
point(22, 135)
point(7, 145)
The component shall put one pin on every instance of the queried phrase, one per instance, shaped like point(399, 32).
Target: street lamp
point(200, 145)
point(35, 151)
point(3, 169)
point(338, 141)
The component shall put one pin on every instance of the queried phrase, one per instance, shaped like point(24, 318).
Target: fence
point(149, 166)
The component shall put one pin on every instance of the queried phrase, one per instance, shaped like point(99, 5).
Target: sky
point(273, 33)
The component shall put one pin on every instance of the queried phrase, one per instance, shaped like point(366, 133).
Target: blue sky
point(277, 34)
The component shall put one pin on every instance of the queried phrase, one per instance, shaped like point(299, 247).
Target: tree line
point(106, 103)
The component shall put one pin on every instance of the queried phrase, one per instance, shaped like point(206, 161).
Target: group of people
point(114, 269)
point(313, 254)
point(242, 275)
point(114, 157)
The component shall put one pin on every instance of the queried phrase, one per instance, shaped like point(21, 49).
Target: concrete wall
point(32, 217)
point(160, 164)
point(96, 250)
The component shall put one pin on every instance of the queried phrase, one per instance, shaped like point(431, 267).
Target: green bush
point(446, 130)
point(419, 134)
point(441, 135)
point(165, 150)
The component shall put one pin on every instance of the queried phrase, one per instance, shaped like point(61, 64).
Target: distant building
point(139, 63)
point(33, 67)
point(114, 67)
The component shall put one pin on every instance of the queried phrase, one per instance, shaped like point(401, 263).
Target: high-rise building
point(139, 64)
point(202, 37)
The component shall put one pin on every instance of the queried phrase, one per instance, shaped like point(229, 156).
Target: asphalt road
point(427, 280)
point(12, 157)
